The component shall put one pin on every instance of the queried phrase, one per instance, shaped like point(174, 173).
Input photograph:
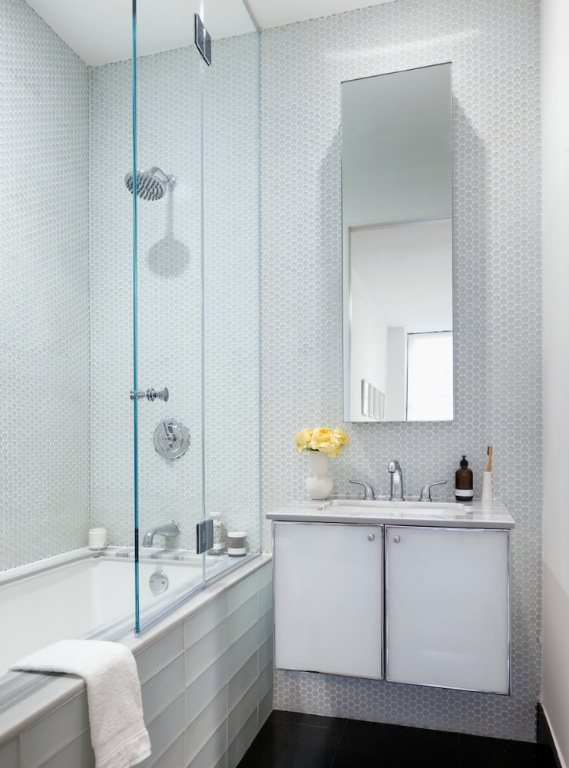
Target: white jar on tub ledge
point(97, 538)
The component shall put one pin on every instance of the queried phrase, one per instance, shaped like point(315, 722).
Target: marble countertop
point(440, 513)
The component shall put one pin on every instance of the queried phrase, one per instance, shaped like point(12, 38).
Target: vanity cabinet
point(447, 607)
point(328, 590)
point(439, 595)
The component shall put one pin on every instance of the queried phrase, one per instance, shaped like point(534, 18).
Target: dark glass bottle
point(464, 482)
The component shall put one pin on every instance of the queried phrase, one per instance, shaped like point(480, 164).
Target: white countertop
point(440, 513)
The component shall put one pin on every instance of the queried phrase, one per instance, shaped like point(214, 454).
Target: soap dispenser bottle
point(464, 482)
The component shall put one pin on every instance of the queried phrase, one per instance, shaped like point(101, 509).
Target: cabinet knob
point(397, 539)
point(371, 537)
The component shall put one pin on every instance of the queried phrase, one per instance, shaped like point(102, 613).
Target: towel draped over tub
point(118, 733)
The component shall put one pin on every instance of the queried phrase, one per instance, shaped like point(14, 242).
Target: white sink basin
point(360, 506)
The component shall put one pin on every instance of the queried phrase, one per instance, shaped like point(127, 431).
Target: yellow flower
point(302, 439)
point(323, 439)
point(342, 438)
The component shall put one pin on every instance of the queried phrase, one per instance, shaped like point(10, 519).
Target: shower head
point(150, 185)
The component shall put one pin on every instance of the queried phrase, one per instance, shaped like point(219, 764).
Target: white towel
point(118, 734)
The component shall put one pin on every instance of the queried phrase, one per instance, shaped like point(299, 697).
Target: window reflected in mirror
point(429, 376)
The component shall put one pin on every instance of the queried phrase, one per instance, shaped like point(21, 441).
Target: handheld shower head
point(150, 185)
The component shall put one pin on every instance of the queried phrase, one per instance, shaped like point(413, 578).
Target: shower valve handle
point(151, 395)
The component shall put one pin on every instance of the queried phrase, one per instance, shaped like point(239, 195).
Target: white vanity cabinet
point(430, 581)
point(447, 607)
point(328, 590)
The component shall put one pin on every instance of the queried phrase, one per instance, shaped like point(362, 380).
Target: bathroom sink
point(361, 506)
point(444, 513)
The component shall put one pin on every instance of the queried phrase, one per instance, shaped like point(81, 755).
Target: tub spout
point(171, 532)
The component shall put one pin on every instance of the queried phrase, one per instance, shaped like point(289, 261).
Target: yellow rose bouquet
point(323, 439)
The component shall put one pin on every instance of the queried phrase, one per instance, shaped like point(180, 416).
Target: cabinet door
point(328, 589)
point(447, 607)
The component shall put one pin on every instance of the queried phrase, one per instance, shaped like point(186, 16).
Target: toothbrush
point(489, 462)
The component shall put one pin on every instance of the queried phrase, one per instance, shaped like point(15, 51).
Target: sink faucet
point(170, 531)
point(426, 490)
point(369, 493)
point(394, 469)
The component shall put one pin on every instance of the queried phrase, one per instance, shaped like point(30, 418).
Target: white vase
point(319, 483)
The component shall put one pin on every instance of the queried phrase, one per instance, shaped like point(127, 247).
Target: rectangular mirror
point(397, 246)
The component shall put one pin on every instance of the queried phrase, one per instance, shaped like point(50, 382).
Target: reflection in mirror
point(397, 234)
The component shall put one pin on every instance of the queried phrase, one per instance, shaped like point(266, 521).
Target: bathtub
point(92, 595)
point(205, 667)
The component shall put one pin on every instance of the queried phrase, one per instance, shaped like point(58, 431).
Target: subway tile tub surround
point(206, 674)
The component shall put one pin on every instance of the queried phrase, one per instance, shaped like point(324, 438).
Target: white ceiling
point(101, 32)
point(274, 13)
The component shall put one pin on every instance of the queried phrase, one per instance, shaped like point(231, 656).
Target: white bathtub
point(85, 597)
point(182, 665)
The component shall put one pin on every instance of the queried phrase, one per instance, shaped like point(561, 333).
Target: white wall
point(368, 345)
point(396, 395)
point(555, 83)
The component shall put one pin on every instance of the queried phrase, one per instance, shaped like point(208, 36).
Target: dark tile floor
point(290, 740)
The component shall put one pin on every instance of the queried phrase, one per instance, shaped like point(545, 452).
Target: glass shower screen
point(193, 185)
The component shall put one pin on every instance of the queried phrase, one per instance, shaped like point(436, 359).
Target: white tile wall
point(163, 687)
point(208, 722)
point(9, 753)
point(201, 655)
point(157, 655)
point(78, 752)
point(170, 290)
point(67, 278)
point(44, 351)
point(47, 737)
point(494, 49)
point(214, 752)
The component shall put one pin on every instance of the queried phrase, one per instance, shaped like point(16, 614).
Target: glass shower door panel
point(231, 284)
point(167, 307)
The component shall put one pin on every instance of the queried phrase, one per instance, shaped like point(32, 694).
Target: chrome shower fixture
point(151, 394)
point(150, 185)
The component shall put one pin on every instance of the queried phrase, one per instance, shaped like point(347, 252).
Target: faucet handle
point(426, 490)
point(368, 490)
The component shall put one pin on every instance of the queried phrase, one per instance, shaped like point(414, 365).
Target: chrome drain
point(158, 582)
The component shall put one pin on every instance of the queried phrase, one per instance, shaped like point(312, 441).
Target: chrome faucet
point(396, 490)
point(369, 493)
point(171, 531)
point(426, 490)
